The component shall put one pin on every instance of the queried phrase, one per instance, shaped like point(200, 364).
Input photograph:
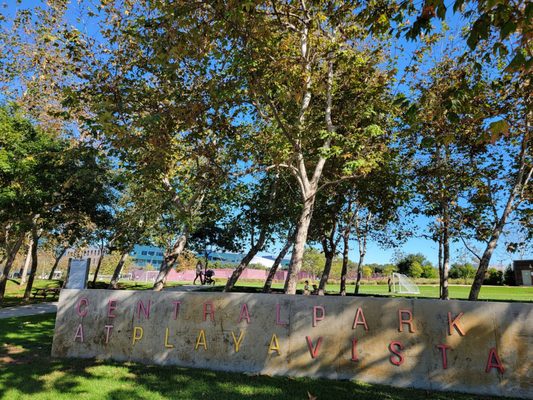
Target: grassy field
point(28, 372)
point(498, 293)
point(14, 292)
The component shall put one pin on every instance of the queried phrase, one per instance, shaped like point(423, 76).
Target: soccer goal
point(402, 284)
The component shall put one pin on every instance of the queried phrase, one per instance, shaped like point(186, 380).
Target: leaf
point(499, 127)
point(516, 63)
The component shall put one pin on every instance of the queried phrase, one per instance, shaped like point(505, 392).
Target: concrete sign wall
point(478, 347)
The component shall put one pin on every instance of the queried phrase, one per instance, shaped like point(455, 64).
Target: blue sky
point(375, 254)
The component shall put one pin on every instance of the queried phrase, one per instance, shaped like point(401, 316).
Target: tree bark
point(445, 262)
point(440, 265)
point(345, 250)
point(245, 261)
point(327, 269)
point(11, 254)
point(358, 279)
point(521, 181)
point(56, 262)
point(170, 259)
point(34, 261)
point(27, 263)
point(99, 264)
point(113, 284)
point(272, 273)
point(299, 245)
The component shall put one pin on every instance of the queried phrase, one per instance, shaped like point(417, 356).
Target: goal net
point(402, 284)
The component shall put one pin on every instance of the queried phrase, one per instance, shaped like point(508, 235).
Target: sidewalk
point(29, 309)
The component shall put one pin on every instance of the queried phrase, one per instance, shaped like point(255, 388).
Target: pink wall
point(173, 276)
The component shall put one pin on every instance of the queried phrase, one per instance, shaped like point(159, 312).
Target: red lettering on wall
point(84, 302)
point(144, 309)
point(111, 306)
point(454, 323)
point(494, 361)
point(209, 309)
point(318, 316)
point(394, 348)
point(108, 329)
point(359, 319)
point(244, 313)
point(278, 316)
point(79, 333)
point(444, 350)
point(355, 357)
point(313, 350)
point(402, 321)
point(176, 308)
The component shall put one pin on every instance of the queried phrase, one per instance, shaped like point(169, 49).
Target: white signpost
point(78, 273)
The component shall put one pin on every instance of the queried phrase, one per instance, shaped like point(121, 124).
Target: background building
point(143, 255)
point(523, 270)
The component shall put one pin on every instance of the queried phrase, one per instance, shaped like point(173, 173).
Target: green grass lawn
point(28, 372)
point(14, 292)
point(498, 293)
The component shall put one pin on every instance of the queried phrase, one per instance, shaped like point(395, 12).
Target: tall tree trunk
point(170, 259)
point(359, 273)
point(302, 229)
point(445, 262)
point(11, 254)
point(26, 263)
point(277, 263)
point(362, 234)
point(329, 244)
point(113, 284)
point(99, 264)
point(440, 265)
point(56, 262)
point(245, 261)
point(345, 250)
point(34, 260)
point(327, 269)
point(515, 197)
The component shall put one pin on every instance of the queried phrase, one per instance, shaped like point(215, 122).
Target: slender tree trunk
point(344, 271)
point(34, 261)
point(445, 262)
point(99, 264)
point(299, 245)
point(327, 269)
point(245, 261)
point(170, 259)
point(56, 262)
point(440, 266)
point(515, 197)
point(277, 263)
point(11, 254)
point(27, 263)
point(358, 279)
point(118, 269)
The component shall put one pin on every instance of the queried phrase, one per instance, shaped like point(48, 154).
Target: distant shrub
point(509, 276)
point(493, 277)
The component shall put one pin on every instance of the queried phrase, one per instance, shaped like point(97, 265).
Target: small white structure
point(402, 284)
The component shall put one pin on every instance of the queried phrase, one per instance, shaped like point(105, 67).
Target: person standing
point(199, 273)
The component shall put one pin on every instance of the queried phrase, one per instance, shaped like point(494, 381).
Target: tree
point(301, 65)
point(446, 121)
point(160, 115)
point(412, 263)
point(44, 182)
